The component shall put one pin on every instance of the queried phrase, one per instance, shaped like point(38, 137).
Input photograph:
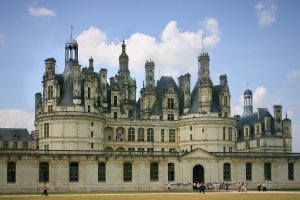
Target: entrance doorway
point(198, 174)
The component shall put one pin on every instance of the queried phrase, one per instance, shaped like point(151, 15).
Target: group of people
point(262, 186)
point(199, 187)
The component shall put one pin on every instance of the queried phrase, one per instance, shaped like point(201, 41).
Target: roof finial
point(71, 30)
point(247, 85)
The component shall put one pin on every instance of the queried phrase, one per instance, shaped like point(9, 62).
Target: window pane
point(74, 172)
point(127, 172)
point(11, 172)
point(268, 171)
point(171, 172)
point(227, 171)
point(291, 171)
point(154, 172)
point(44, 172)
point(101, 172)
point(248, 171)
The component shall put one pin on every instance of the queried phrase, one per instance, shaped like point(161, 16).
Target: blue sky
point(255, 42)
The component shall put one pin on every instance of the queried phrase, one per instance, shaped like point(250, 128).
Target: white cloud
point(1, 38)
point(13, 118)
point(266, 12)
point(40, 12)
point(258, 101)
point(173, 52)
point(295, 73)
point(296, 137)
point(259, 96)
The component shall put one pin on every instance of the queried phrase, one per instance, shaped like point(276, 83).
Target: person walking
point(264, 186)
point(258, 186)
point(202, 188)
point(45, 191)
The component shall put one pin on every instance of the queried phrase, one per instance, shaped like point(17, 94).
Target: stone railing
point(27, 152)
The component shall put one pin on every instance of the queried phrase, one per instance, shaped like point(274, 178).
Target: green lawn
point(159, 196)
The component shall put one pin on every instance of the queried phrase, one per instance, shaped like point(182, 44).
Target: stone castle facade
point(95, 135)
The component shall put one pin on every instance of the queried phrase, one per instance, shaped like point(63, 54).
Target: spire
point(71, 31)
point(123, 59)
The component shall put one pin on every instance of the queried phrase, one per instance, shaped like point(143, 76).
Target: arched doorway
point(198, 174)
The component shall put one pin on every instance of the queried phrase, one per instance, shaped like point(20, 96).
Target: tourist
point(45, 192)
point(264, 186)
point(258, 186)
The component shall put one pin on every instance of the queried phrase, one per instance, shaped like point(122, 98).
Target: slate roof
point(160, 88)
point(10, 133)
point(215, 107)
point(252, 119)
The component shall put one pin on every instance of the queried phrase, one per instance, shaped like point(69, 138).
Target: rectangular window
point(127, 172)
point(191, 137)
point(227, 171)
point(291, 171)
point(115, 115)
point(92, 134)
point(248, 171)
point(101, 172)
point(89, 92)
point(170, 103)
point(50, 92)
point(46, 147)
point(44, 172)
point(268, 171)
point(89, 108)
point(247, 145)
point(150, 135)
point(153, 171)
point(171, 117)
point(258, 143)
point(50, 108)
point(5, 145)
point(191, 128)
point(224, 133)
point(171, 172)
point(92, 145)
point(230, 149)
point(11, 172)
point(73, 172)
point(162, 135)
point(15, 144)
point(46, 130)
point(172, 135)
point(25, 145)
point(230, 133)
point(115, 101)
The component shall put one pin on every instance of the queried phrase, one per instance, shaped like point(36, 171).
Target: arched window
point(11, 172)
point(101, 172)
point(131, 134)
point(268, 171)
point(73, 172)
point(44, 172)
point(127, 172)
point(171, 172)
point(150, 135)
point(141, 135)
point(227, 171)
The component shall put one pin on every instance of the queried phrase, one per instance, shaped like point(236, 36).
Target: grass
point(157, 196)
